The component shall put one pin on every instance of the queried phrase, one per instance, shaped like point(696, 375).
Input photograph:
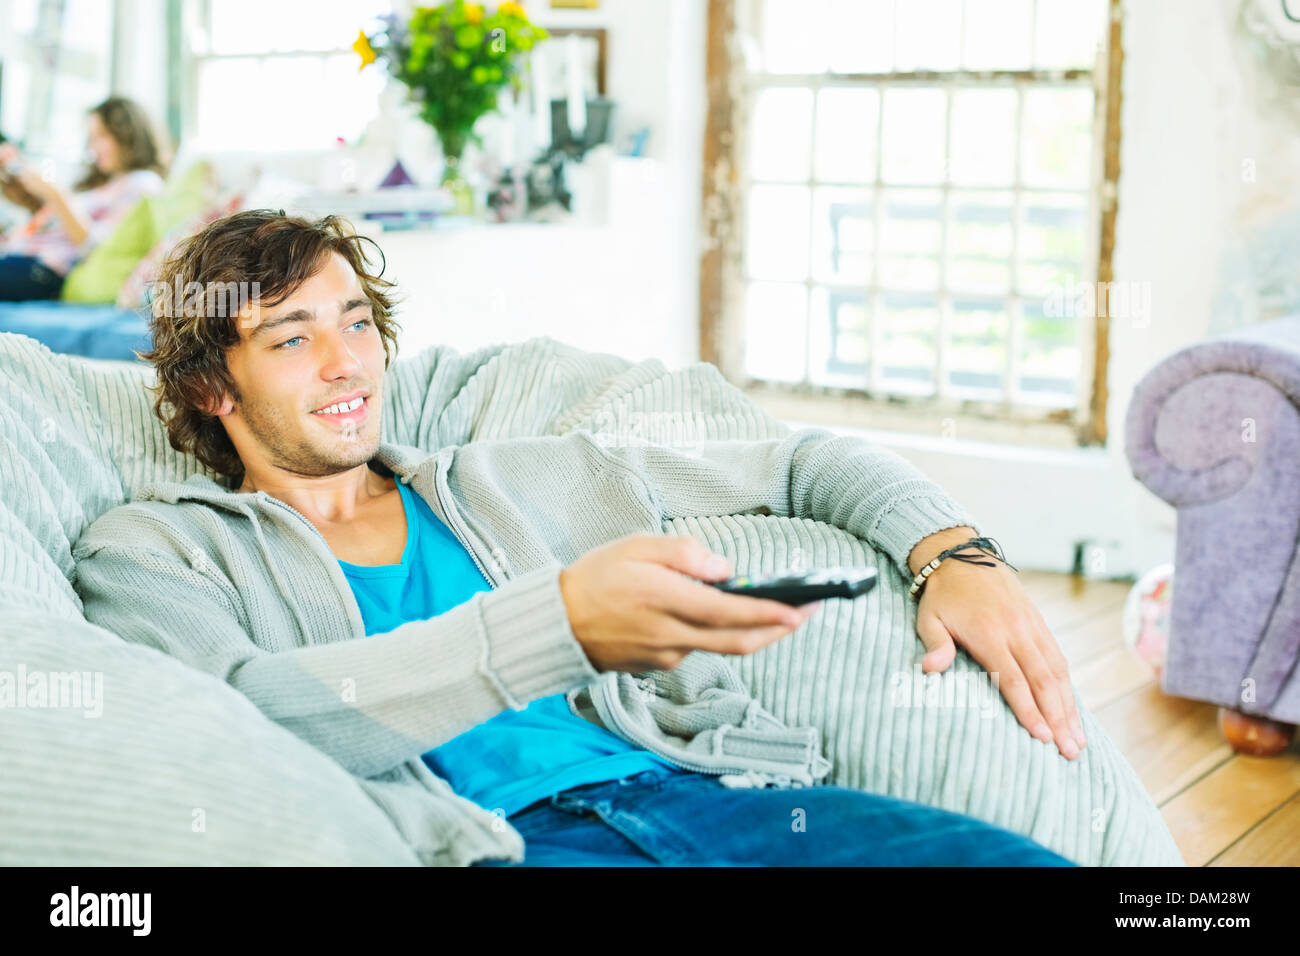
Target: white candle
point(541, 100)
point(509, 117)
point(577, 94)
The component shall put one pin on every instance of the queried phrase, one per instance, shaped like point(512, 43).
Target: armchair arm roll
point(1162, 412)
point(1214, 430)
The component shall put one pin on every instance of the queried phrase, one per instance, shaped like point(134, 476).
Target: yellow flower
point(510, 9)
point(362, 45)
point(473, 13)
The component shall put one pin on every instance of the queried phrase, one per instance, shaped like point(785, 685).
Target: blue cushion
point(95, 331)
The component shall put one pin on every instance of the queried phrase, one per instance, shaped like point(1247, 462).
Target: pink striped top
point(103, 208)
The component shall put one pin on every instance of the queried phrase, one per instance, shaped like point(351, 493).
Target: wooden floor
point(1223, 809)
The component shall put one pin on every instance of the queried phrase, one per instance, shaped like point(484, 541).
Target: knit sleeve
point(864, 489)
point(370, 703)
point(702, 443)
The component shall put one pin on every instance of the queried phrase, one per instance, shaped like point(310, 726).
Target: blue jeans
point(24, 278)
point(661, 818)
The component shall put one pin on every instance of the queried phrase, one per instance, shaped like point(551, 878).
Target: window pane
point(846, 135)
point(980, 241)
point(86, 28)
point(998, 34)
point(984, 137)
point(299, 126)
point(793, 35)
point(863, 38)
point(843, 227)
point(781, 133)
point(352, 97)
point(1057, 149)
point(909, 326)
point(1068, 35)
point(914, 141)
point(226, 90)
point(977, 355)
point(928, 35)
point(24, 14)
point(256, 103)
point(910, 239)
point(776, 315)
point(777, 246)
point(256, 26)
point(841, 338)
point(1053, 232)
point(17, 91)
point(252, 26)
point(1050, 358)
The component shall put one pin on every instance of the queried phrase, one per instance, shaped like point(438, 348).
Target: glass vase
point(462, 194)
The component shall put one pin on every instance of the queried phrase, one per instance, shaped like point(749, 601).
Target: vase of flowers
point(454, 59)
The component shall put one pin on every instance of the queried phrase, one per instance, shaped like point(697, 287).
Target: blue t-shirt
point(517, 757)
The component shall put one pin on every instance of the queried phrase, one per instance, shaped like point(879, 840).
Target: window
point(46, 108)
point(278, 76)
point(917, 184)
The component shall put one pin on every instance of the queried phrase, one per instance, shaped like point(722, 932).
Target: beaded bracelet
point(986, 545)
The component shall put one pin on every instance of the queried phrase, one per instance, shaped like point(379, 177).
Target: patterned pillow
point(135, 290)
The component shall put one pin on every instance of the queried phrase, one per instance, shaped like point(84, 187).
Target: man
point(403, 610)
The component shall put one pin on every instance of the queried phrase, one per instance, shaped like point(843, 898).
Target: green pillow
point(183, 196)
point(100, 276)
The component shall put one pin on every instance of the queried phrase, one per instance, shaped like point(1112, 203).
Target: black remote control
point(803, 588)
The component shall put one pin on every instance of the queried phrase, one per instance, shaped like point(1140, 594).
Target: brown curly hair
point(192, 334)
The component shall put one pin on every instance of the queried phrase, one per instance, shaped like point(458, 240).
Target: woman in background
point(126, 165)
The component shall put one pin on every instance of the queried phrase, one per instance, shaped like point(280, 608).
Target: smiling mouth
point(352, 411)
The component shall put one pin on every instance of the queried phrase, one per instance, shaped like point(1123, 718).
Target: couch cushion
point(95, 331)
point(136, 290)
point(140, 760)
point(100, 276)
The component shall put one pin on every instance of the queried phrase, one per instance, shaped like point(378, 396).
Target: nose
point(338, 361)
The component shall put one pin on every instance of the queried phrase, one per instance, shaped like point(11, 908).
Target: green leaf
point(468, 37)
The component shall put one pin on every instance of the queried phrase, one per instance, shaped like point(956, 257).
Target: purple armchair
point(1214, 429)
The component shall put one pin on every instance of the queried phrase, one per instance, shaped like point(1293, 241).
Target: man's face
point(318, 347)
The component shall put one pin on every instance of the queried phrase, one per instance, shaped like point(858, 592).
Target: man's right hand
point(637, 604)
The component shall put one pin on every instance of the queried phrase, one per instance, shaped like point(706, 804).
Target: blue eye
point(369, 321)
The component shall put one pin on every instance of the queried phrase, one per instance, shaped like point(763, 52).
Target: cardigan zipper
point(454, 522)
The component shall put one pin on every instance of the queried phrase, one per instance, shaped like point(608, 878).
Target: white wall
point(613, 288)
point(655, 52)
